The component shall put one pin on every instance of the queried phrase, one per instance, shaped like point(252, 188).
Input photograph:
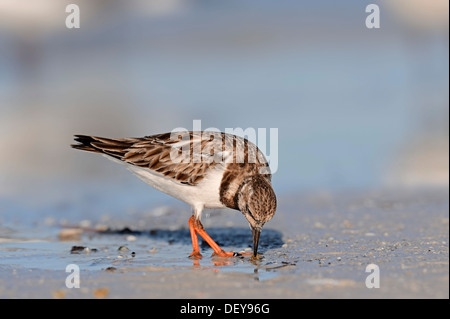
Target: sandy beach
point(318, 246)
point(352, 116)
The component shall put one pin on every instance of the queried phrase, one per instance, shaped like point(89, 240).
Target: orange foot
point(231, 254)
point(196, 228)
point(195, 255)
point(226, 254)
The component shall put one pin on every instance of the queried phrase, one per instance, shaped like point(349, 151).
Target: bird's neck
point(231, 189)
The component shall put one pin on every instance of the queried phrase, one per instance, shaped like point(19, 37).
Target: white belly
point(203, 195)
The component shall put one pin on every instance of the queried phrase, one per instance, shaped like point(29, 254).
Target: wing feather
point(155, 152)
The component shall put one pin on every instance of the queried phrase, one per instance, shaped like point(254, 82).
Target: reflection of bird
point(202, 169)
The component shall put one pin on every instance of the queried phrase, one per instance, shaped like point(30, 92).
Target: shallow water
point(40, 249)
point(318, 245)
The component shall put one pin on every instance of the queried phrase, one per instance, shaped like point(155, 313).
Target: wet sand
point(317, 246)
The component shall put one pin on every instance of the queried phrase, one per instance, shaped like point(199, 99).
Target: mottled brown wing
point(156, 153)
point(183, 156)
point(175, 155)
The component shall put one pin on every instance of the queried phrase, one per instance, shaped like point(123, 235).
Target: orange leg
point(196, 227)
point(196, 249)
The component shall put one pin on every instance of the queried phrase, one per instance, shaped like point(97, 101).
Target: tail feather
point(115, 148)
point(85, 144)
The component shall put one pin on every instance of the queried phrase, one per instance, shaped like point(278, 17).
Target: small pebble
point(77, 249)
point(131, 238)
point(69, 234)
point(101, 293)
point(59, 294)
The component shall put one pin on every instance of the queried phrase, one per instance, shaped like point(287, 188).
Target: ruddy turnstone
point(203, 169)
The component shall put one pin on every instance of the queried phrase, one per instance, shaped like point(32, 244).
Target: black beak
point(256, 232)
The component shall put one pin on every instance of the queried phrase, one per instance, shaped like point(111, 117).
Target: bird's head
point(258, 203)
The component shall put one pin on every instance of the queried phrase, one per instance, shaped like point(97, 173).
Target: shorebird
point(203, 169)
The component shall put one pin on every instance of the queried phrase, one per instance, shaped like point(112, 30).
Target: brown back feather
point(154, 152)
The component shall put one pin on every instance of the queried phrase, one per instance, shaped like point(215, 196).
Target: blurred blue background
point(355, 108)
